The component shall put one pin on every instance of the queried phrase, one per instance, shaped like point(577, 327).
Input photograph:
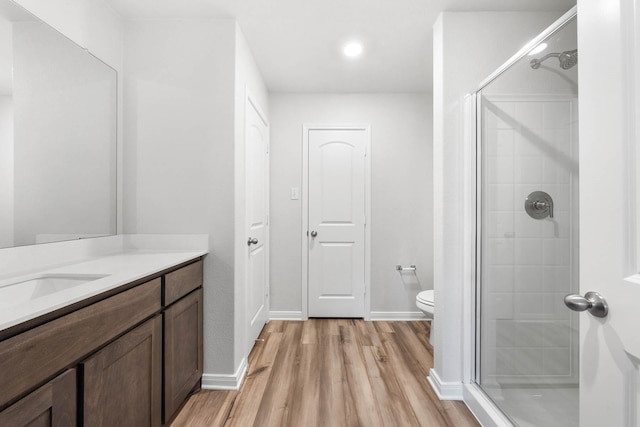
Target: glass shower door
point(528, 236)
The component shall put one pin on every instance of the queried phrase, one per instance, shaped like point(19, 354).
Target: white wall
point(184, 160)
point(179, 167)
point(401, 218)
point(486, 40)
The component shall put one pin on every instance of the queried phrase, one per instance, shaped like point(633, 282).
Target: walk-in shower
point(527, 234)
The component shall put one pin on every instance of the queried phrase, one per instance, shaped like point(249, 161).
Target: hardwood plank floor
point(332, 372)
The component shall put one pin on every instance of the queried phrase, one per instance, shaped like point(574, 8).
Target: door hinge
point(267, 148)
point(267, 219)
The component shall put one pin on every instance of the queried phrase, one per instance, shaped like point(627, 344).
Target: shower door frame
point(476, 399)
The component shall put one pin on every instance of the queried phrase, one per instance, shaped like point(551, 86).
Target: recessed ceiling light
point(538, 49)
point(352, 49)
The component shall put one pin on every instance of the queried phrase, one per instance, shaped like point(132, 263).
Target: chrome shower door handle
point(592, 302)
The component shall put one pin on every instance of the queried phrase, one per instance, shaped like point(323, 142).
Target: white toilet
point(424, 301)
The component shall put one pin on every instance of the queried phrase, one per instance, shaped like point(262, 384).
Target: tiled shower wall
point(528, 265)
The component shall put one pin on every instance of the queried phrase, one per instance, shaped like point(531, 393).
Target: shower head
point(567, 59)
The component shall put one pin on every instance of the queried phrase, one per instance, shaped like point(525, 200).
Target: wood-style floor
point(332, 372)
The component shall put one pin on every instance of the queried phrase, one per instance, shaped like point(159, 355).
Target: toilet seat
point(426, 297)
point(424, 301)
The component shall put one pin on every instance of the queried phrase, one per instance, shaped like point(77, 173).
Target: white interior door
point(336, 239)
point(257, 228)
point(610, 346)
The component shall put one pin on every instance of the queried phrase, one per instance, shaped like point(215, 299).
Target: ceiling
point(297, 43)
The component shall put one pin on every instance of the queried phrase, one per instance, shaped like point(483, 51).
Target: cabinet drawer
point(30, 358)
point(180, 282)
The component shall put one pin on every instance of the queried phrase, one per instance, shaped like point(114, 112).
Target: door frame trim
point(305, 213)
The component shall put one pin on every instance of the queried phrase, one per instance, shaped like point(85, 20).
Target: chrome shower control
point(591, 301)
point(539, 205)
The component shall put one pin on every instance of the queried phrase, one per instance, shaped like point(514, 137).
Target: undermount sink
point(46, 284)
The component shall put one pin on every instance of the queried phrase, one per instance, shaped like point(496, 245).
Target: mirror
point(57, 135)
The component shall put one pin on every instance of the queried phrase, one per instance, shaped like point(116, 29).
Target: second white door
point(336, 223)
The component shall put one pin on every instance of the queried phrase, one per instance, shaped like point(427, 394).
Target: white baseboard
point(285, 315)
point(225, 382)
point(397, 315)
point(374, 315)
point(445, 390)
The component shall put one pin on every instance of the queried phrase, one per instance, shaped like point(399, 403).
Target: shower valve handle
point(539, 205)
point(543, 206)
point(591, 301)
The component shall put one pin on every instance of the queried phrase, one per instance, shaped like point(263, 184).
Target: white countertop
point(119, 269)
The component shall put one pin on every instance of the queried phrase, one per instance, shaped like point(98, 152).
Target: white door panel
point(257, 292)
point(257, 174)
point(336, 244)
point(610, 347)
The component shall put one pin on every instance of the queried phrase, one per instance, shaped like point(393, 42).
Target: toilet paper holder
point(401, 268)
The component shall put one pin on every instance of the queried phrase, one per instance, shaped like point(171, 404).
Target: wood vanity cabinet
point(133, 355)
point(33, 357)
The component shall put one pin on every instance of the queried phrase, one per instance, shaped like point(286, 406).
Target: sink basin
point(46, 284)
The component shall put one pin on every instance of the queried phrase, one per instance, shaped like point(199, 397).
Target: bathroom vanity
point(124, 353)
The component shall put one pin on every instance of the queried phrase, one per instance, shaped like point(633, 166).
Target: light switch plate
point(295, 193)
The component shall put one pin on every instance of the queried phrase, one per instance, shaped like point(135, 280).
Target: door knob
point(251, 241)
point(314, 233)
point(592, 302)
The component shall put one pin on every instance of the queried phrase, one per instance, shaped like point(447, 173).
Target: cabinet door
point(123, 381)
point(52, 405)
point(182, 350)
